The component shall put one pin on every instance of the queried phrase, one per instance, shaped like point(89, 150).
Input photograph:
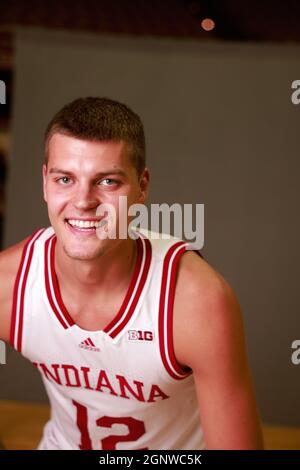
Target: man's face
point(80, 176)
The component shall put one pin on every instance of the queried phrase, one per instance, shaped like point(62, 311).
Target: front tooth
point(84, 223)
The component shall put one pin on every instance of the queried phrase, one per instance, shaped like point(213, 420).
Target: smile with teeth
point(85, 224)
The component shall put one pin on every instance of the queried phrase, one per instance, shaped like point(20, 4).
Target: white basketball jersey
point(120, 387)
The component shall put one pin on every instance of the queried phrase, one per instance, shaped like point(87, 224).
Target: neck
point(106, 274)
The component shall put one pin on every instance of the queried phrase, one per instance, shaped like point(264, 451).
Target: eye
point(108, 181)
point(63, 179)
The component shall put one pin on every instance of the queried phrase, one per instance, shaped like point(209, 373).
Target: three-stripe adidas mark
point(89, 345)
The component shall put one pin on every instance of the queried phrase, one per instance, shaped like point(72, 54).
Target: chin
point(79, 253)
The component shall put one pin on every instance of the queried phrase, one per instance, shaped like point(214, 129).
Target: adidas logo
point(89, 345)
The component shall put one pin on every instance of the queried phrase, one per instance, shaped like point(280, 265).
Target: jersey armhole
point(167, 293)
point(17, 311)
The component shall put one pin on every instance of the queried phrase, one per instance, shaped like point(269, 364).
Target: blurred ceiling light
point(207, 24)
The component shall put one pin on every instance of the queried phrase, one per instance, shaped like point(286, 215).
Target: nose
point(85, 197)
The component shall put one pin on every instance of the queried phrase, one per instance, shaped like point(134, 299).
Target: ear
point(144, 181)
point(44, 172)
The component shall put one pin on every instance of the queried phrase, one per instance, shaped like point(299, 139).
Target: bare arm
point(213, 345)
point(9, 264)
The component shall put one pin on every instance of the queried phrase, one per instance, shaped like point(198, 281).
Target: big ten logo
point(2, 92)
point(139, 335)
point(2, 353)
point(295, 96)
point(295, 357)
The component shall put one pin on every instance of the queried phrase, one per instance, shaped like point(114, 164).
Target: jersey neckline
point(127, 308)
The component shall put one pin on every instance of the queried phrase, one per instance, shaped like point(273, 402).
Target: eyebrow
point(114, 171)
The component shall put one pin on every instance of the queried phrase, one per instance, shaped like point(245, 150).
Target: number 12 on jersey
point(136, 429)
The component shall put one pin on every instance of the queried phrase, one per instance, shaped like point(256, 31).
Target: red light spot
point(207, 24)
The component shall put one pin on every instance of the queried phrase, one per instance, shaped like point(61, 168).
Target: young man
point(139, 341)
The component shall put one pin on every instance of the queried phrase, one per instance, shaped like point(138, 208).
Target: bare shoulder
point(199, 274)
point(206, 311)
point(209, 338)
point(9, 263)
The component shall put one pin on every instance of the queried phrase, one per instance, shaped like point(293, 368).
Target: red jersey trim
point(127, 308)
point(17, 316)
point(165, 325)
point(52, 287)
point(135, 289)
